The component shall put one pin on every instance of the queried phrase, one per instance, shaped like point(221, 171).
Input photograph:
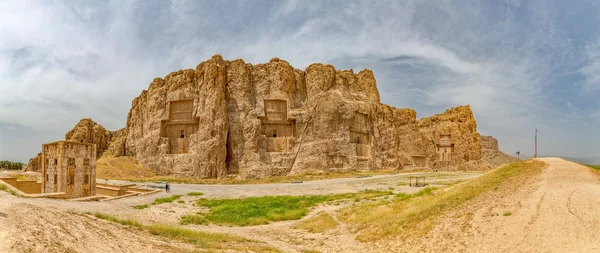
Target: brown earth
point(556, 211)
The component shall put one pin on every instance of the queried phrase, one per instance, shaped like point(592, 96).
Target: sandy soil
point(28, 227)
point(556, 211)
point(49, 225)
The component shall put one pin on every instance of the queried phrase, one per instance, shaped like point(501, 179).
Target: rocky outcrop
point(86, 130)
point(117, 143)
point(491, 155)
point(34, 163)
point(232, 117)
point(91, 132)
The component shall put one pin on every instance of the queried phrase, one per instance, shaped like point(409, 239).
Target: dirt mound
point(122, 167)
point(30, 228)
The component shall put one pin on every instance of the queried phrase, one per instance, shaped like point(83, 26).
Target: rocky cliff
point(271, 119)
point(491, 154)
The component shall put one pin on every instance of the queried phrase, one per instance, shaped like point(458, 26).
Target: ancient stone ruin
point(69, 167)
point(270, 119)
point(232, 117)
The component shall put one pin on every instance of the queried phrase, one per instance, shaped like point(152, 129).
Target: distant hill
point(584, 160)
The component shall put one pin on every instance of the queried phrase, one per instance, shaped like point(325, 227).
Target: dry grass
point(110, 167)
point(202, 240)
point(318, 224)
point(159, 201)
point(416, 215)
point(595, 169)
point(5, 188)
point(127, 168)
point(277, 179)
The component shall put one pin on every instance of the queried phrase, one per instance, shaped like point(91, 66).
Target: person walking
point(168, 187)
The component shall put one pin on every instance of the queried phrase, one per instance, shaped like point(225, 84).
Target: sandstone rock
point(91, 132)
point(491, 155)
point(228, 117)
point(85, 131)
point(117, 143)
point(34, 164)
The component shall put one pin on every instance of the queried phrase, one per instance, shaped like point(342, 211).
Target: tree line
point(8, 165)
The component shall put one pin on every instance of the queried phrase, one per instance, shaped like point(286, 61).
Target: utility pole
point(535, 154)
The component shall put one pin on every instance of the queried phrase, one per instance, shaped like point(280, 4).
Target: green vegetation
point(194, 219)
point(262, 210)
point(159, 201)
point(405, 196)
point(596, 167)
point(507, 214)
point(5, 188)
point(8, 165)
point(202, 240)
point(318, 224)
point(126, 222)
point(141, 206)
point(195, 194)
point(415, 214)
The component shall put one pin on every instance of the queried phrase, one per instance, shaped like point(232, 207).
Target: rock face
point(86, 131)
point(270, 119)
point(491, 155)
point(34, 164)
point(91, 132)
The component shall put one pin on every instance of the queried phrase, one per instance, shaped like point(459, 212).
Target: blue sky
point(521, 65)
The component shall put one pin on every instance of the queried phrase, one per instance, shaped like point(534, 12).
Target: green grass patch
point(262, 210)
point(202, 240)
point(126, 222)
point(169, 199)
point(5, 188)
point(415, 214)
point(159, 201)
point(195, 194)
point(507, 214)
point(194, 219)
point(144, 206)
point(596, 167)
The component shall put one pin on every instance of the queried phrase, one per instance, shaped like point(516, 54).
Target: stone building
point(69, 167)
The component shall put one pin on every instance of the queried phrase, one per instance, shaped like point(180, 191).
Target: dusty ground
point(555, 211)
point(49, 225)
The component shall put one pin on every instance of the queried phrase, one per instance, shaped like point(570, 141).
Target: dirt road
point(556, 211)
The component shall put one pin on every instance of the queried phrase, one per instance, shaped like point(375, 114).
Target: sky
point(521, 65)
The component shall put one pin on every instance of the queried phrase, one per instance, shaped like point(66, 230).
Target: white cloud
point(591, 70)
point(61, 61)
